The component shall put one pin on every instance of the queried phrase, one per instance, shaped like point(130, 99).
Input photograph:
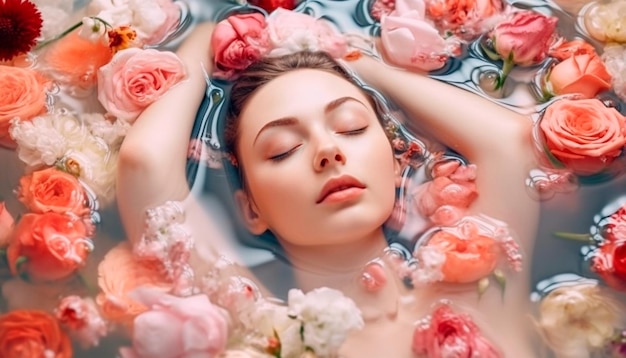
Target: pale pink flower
point(93, 29)
point(410, 40)
point(291, 32)
point(135, 78)
point(614, 57)
point(175, 327)
point(81, 317)
point(6, 224)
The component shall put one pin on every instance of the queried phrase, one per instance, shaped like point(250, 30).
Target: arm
point(493, 137)
point(151, 166)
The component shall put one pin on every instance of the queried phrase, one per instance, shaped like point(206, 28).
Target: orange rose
point(22, 95)
point(6, 224)
point(462, 16)
point(584, 74)
point(118, 274)
point(32, 334)
point(584, 135)
point(53, 190)
point(53, 246)
point(466, 260)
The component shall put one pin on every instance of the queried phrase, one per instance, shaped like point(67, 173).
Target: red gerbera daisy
point(20, 26)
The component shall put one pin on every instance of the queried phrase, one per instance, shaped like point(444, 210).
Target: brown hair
point(260, 73)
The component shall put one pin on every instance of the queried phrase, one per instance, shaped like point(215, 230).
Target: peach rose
point(135, 78)
point(30, 333)
point(119, 273)
point(583, 74)
point(584, 135)
point(53, 190)
point(6, 224)
point(48, 246)
point(22, 95)
point(466, 260)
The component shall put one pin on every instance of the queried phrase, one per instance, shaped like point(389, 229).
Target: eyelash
point(282, 156)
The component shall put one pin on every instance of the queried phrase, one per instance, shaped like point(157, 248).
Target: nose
point(329, 154)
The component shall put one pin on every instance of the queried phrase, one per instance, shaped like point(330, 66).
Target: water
point(581, 210)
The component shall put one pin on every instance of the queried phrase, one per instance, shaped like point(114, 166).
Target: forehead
point(296, 94)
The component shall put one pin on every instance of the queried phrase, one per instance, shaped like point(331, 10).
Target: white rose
point(614, 58)
point(577, 319)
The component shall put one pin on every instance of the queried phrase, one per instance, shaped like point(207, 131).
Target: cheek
point(276, 189)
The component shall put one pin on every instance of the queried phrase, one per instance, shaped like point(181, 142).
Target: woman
point(318, 172)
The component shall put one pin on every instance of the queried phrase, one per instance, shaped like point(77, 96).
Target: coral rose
point(6, 224)
point(237, 42)
point(135, 78)
point(584, 135)
point(32, 334)
point(118, 274)
point(53, 190)
point(525, 39)
point(22, 96)
point(449, 334)
point(583, 74)
point(176, 327)
point(466, 259)
point(49, 246)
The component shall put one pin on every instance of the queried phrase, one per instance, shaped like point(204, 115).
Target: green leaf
point(19, 263)
point(586, 238)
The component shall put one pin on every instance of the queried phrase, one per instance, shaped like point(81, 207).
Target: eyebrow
point(290, 121)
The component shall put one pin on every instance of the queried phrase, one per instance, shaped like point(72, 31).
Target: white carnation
point(112, 133)
point(327, 316)
point(38, 141)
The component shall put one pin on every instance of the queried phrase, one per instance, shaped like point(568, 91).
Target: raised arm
point(151, 167)
point(491, 136)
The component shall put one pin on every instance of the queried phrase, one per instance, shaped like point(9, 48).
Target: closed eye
point(355, 131)
point(284, 155)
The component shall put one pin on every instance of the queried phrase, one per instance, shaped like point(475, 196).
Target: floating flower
point(566, 49)
point(577, 318)
point(6, 225)
point(30, 333)
point(464, 18)
point(605, 21)
point(50, 246)
point(525, 39)
point(583, 74)
point(382, 8)
point(614, 58)
point(446, 334)
point(81, 317)
point(583, 135)
point(20, 26)
point(174, 327)
point(271, 5)
point(121, 38)
point(326, 315)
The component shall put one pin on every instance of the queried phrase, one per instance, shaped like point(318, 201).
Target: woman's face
point(318, 166)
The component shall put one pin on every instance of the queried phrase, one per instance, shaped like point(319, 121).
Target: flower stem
point(573, 236)
point(67, 31)
point(506, 69)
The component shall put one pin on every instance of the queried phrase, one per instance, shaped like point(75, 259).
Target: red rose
point(525, 39)
point(238, 41)
point(271, 5)
point(451, 334)
point(610, 263)
point(53, 190)
point(54, 246)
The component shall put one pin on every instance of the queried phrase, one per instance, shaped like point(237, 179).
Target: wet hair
point(265, 70)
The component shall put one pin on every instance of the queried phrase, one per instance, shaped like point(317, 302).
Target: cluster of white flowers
point(614, 57)
point(85, 145)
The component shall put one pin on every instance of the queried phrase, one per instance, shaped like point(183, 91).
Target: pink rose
point(6, 224)
point(237, 42)
point(582, 74)
point(81, 318)
point(525, 39)
point(409, 40)
point(464, 18)
point(135, 78)
point(177, 327)
point(584, 135)
point(291, 32)
point(449, 334)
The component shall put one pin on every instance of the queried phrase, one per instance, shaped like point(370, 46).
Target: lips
point(344, 182)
